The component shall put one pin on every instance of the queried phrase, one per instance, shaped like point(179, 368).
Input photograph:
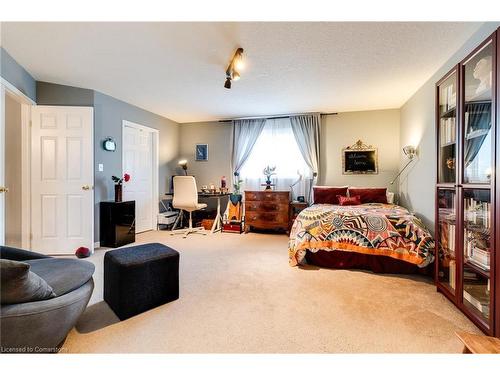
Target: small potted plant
point(118, 185)
point(268, 172)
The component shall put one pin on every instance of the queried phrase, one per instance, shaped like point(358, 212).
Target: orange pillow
point(349, 201)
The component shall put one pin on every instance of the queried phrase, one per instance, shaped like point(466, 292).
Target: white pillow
point(390, 197)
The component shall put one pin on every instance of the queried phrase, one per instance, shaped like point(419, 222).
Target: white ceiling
point(177, 70)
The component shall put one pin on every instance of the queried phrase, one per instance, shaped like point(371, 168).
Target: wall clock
point(109, 144)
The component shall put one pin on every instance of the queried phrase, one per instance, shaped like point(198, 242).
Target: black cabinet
point(117, 223)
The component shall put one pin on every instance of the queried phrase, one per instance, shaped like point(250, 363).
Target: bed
point(381, 237)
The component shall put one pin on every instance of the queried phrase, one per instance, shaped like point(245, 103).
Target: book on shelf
point(449, 97)
point(470, 276)
point(479, 264)
point(448, 131)
point(447, 239)
point(479, 257)
point(452, 273)
point(478, 213)
point(478, 296)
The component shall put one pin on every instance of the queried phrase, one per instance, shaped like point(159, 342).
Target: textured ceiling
point(177, 69)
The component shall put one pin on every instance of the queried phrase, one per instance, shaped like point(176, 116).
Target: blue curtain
point(479, 123)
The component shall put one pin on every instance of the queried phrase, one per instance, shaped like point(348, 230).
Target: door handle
point(85, 187)
point(4, 189)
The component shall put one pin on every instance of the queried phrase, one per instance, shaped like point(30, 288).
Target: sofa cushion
point(63, 275)
point(19, 284)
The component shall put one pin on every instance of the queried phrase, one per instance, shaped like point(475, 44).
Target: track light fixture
point(235, 65)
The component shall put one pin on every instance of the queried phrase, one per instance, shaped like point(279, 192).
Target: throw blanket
point(370, 228)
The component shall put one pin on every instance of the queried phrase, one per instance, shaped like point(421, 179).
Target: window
point(276, 146)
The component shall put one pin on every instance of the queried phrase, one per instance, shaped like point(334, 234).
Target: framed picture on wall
point(359, 159)
point(201, 152)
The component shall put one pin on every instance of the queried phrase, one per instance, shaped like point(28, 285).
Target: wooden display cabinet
point(467, 213)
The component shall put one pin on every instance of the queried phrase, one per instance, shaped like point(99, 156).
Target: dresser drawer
point(267, 206)
point(254, 218)
point(275, 196)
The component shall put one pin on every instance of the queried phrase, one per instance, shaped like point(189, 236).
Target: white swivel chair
point(186, 198)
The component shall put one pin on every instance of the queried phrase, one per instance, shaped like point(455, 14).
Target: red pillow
point(328, 194)
point(370, 195)
point(349, 201)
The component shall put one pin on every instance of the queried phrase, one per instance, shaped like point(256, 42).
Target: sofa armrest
point(13, 253)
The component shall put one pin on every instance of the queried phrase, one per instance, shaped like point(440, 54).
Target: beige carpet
point(238, 295)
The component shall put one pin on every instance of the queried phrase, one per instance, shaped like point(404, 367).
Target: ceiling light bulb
point(236, 76)
point(239, 64)
point(227, 84)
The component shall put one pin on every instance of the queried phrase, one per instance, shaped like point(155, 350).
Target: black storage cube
point(139, 278)
point(117, 223)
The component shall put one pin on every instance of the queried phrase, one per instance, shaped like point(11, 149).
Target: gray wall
point(108, 116)
point(417, 184)
point(218, 137)
point(17, 75)
point(53, 94)
point(378, 128)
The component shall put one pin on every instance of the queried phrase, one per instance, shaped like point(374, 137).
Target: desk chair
point(186, 198)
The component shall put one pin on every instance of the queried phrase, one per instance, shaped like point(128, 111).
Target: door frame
point(155, 162)
point(26, 103)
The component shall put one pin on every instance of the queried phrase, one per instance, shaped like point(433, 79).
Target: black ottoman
point(138, 278)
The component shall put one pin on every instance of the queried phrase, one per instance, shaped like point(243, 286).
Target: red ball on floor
point(82, 252)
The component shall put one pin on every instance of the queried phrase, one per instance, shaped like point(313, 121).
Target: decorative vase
point(269, 184)
point(118, 193)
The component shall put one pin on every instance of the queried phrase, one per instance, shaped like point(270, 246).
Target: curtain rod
point(278, 116)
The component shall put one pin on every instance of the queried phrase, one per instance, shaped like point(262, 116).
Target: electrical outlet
point(101, 167)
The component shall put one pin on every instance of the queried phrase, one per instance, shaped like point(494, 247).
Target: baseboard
point(97, 244)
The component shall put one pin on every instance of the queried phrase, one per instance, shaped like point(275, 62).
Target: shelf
point(477, 133)
point(449, 144)
point(449, 113)
point(477, 269)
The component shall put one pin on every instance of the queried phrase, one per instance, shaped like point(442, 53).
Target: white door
point(62, 176)
point(138, 153)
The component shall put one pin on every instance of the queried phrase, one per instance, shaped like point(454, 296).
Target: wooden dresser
point(266, 210)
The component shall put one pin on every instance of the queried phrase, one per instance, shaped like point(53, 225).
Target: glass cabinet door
point(477, 153)
point(447, 132)
point(446, 236)
point(477, 251)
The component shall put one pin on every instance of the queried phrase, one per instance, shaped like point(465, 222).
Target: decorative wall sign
point(359, 159)
point(201, 152)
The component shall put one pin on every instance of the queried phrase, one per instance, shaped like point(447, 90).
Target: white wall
point(417, 185)
point(13, 168)
point(377, 128)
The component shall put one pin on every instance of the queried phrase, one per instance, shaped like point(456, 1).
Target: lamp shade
point(410, 151)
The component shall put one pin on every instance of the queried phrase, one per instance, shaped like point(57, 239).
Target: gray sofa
point(42, 326)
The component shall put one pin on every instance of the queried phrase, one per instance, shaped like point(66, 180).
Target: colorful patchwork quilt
point(370, 228)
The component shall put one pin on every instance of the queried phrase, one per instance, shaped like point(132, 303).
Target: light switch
point(101, 167)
